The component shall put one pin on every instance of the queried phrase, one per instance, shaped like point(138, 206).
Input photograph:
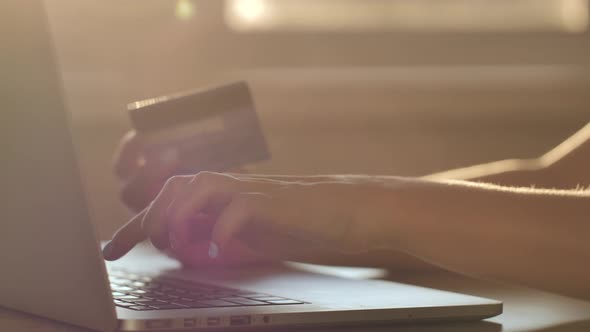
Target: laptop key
point(151, 294)
point(123, 303)
point(147, 300)
point(155, 302)
point(268, 298)
point(197, 294)
point(197, 305)
point(139, 308)
point(132, 276)
point(127, 298)
point(146, 293)
point(117, 280)
point(199, 289)
point(185, 300)
point(210, 297)
point(168, 306)
point(217, 303)
point(243, 301)
point(285, 302)
point(117, 273)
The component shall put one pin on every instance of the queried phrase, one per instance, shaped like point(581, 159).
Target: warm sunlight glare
point(409, 15)
point(249, 11)
point(185, 9)
point(575, 15)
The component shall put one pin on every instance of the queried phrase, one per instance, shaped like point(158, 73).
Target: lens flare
point(250, 10)
point(185, 9)
point(575, 15)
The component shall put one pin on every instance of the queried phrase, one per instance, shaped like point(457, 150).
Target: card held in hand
point(214, 129)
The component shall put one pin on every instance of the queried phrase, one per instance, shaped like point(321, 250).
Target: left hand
point(287, 218)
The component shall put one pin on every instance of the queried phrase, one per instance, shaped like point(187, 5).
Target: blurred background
point(403, 87)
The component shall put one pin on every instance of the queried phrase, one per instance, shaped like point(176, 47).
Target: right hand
point(141, 179)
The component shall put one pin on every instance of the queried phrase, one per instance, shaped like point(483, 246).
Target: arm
point(567, 155)
point(565, 166)
point(533, 237)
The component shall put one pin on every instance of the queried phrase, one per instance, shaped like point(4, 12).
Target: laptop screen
point(49, 259)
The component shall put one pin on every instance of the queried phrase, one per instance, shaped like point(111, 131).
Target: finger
point(196, 230)
point(155, 223)
point(143, 187)
point(206, 193)
point(243, 209)
point(127, 156)
point(125, 238)
point(138, 193)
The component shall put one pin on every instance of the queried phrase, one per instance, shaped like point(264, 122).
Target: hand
point(285, 219)
point(141, 179)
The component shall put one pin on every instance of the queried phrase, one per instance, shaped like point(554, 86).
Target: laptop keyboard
point(143, 293)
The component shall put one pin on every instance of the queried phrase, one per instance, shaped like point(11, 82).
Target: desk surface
point(524, 309)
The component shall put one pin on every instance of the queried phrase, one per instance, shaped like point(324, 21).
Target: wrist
point(389, 212)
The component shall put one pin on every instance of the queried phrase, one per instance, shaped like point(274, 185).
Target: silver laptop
point(50, 258)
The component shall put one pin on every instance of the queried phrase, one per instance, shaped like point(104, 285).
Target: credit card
point(213, 129)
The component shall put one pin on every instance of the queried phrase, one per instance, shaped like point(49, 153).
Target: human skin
point(510, 232)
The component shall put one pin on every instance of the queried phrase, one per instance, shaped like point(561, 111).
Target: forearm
point(394, 260)
point(529, 237)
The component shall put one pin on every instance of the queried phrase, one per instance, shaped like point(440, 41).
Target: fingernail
point(107, 250)
point(213, 250)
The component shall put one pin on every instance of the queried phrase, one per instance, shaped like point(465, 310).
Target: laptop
point(50, 256)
